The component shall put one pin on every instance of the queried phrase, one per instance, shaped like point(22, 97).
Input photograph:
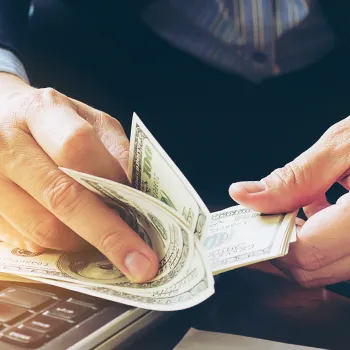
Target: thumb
point(301, 181)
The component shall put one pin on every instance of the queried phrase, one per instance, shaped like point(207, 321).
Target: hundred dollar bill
point(165, 234)
point(167, 213)
point(153, 172)
point(170, 239)
point(238, 236)
point(88, 273)
point(194, 286)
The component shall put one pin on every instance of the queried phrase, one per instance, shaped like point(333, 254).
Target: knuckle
point(75, 145)
point(115, 122)
point(19, 105)
point(95, 117)
point(123, 152)
point(102, 117)
point(310, 258)
point(37, 99)
point(310, 262)
point(338, 140)
point(64, 197)
point(111, 241)
point(120, 149)
point(49, 93)
point(108, 122)
point(339, 129)
point(45, 233)
point(303, 278)
point(45, 95)
point(291, 175)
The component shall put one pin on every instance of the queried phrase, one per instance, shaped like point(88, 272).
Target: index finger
point(80, 209)
point(109, 131)
point(71, 140)
point(301, 181)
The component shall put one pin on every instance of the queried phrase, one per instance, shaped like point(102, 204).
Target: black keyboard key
point(93, 303)
point(46, 325)
point(23, 337)
point(11, 313)
point(25, 298)
point(69, 311)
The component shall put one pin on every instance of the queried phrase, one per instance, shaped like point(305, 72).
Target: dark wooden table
point(259, 302)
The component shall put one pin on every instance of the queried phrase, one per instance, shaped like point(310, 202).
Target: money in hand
point(162, 207)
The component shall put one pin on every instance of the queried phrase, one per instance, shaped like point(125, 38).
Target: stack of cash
point(191, 243)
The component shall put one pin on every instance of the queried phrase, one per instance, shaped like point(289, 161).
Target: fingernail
point(248, 186)
point(138, 266)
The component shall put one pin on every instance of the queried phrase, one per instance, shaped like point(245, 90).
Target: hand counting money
point(162, 207)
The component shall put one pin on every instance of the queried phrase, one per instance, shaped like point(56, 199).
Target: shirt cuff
point(9, 63)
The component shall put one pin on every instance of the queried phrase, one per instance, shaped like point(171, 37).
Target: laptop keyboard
point(33, 316)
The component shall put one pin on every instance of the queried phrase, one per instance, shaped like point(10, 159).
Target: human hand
point(40, 206)
point(321, 254)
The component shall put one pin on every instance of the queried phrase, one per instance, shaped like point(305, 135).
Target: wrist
point(11, 86)
point(8, 77)
point(11, 83)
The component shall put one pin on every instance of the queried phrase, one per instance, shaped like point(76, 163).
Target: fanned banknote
point(162, 207)
point(153, 172)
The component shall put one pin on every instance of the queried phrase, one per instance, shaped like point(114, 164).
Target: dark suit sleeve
point(13, 25)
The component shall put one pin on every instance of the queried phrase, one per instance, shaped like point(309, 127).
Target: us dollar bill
point(153, 172)
point(239, 236)
point(88, 274)
point(167, 213)
point(194, 286)
point(170, 238)
point(182, 271)
point(163, 232)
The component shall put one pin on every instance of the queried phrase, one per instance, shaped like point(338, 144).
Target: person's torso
point(253, 38)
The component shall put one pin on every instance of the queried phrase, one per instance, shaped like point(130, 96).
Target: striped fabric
point(254, 38)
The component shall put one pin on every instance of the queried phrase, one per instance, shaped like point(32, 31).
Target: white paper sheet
point(201, 340)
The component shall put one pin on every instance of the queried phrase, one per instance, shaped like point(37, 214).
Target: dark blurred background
point(117, 64)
